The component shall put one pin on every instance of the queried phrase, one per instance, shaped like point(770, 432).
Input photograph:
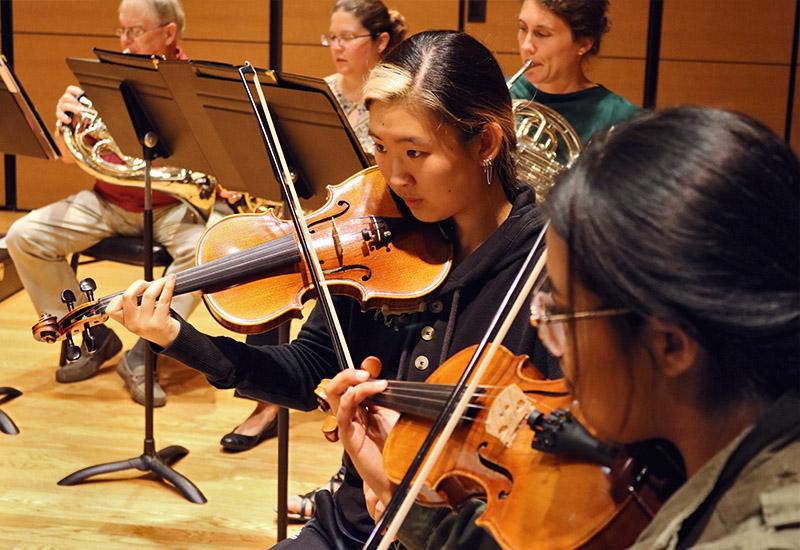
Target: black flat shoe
point(237, 443)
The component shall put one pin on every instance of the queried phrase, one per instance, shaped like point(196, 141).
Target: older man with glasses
point(40, 242)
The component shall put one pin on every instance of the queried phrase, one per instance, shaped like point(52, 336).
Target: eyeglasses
point(551, 327)
point(135, 32)
point(343, 40)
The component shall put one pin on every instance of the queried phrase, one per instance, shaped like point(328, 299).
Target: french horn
point(91, 144)
point(546, 143)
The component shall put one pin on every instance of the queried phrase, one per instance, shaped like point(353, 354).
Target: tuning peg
point(73, 352)
point(88, 287)
point(88, 340)
point(68, 297)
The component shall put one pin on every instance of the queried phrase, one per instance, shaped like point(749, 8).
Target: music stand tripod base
point(158, 464)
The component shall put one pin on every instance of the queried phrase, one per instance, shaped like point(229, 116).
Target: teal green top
point(588, 111)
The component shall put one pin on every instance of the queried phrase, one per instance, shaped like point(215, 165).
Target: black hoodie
point(410, 347)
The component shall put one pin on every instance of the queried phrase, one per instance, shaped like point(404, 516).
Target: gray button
point(436, 307)
point(421, 362)
point(427, 333)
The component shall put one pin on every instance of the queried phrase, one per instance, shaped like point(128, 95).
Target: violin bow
point(284, 177)
point(459, 399)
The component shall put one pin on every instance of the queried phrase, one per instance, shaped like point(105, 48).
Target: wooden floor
point(65, 427)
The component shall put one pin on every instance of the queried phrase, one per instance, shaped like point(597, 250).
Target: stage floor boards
point(66, 427)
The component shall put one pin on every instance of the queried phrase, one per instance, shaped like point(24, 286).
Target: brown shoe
point(134, 379)
point(89, 363)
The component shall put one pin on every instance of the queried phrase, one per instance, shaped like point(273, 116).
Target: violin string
point(487, 397)
point(415, 399)
point(247, 258)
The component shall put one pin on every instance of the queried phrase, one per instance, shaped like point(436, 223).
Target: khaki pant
point(40, 242)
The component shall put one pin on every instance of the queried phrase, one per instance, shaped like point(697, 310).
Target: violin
point(251, 271)
point(568, 491)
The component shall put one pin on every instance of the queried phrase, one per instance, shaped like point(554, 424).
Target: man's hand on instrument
point(68, 105)
point(148, 317)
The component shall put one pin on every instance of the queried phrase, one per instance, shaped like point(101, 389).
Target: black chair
point(124, 250)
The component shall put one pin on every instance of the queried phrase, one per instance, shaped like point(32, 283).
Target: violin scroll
point(78, 319)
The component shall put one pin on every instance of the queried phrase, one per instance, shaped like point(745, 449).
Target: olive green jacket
point(758, 506)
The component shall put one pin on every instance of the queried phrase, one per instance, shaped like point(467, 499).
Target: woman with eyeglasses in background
point(360, 33)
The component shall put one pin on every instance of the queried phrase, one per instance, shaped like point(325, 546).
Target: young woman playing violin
point(440, 116)
point(674, 307)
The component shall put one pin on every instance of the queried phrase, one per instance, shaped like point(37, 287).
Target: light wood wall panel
point(45, 76)
point(307, 59)
point(499, 32)
point(758, 90)
point(227, 20)
point(740, 31)
point(219, 30)
point(621, 75)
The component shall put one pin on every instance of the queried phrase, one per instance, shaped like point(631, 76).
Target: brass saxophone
point(96, 152)
point(546, 143)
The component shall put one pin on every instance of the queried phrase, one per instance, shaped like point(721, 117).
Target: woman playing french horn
point(559, 37)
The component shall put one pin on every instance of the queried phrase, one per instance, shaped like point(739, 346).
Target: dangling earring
point(487, 169)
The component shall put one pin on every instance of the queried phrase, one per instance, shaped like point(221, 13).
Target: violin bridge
point(506, 413)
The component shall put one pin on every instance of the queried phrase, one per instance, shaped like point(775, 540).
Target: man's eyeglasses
point(343, 40)
point(550, 326)
point(135, 32)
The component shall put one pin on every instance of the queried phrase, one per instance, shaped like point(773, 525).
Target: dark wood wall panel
point(795, 138)
point(2, 161)
point(758, 90)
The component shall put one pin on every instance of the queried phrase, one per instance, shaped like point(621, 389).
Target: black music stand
point(320, 146)
point(316, 135)
point(114, 91)
point(22, 132)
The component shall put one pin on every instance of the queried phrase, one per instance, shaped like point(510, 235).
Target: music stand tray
point(320, 146)
point(22, 131)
